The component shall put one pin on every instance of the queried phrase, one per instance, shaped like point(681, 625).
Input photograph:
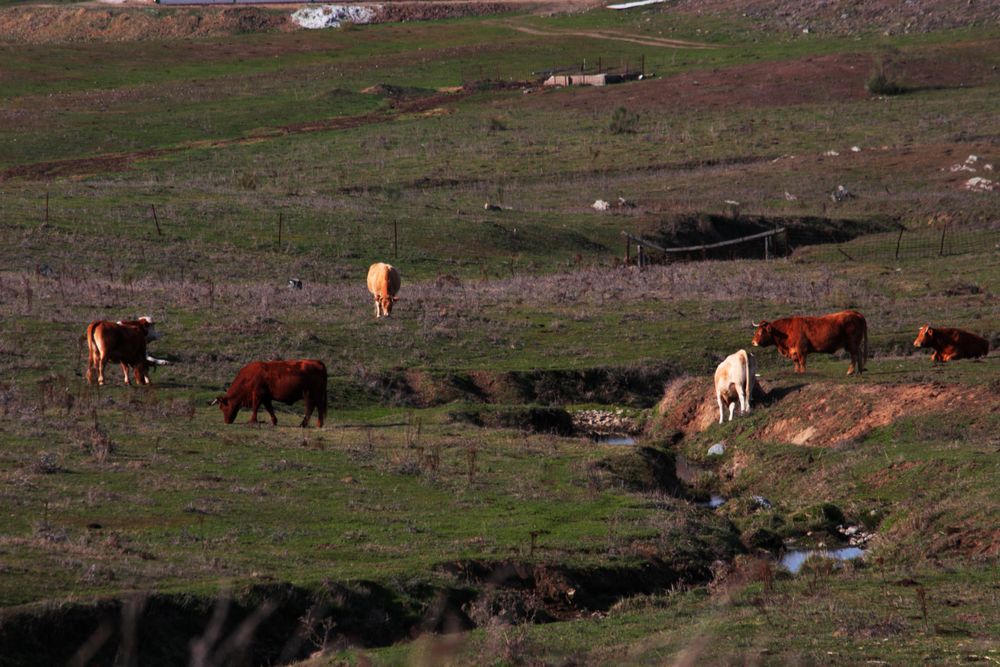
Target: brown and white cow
point(124, 342)
point(734, 382)
point(796, 337)
point(951, 344)
point(383, 283)
point(260, 382)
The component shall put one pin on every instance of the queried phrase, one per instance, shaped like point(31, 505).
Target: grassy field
point(400, 521)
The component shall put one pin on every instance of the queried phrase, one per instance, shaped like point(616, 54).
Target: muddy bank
point(816, 414)
point(635, 386)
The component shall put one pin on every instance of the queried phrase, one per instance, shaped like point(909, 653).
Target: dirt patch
point(49, 25)
point(812, 80)
point(821, 414)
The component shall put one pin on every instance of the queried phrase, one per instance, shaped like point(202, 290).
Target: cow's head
point(924, 337)
point(387, 302)
point(144, 324)
point(151, 332)
point(229, 407)
point(764, 335)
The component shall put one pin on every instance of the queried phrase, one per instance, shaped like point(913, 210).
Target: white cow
point(734, 381)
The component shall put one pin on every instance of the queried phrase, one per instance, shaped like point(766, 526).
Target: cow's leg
point(100, 370)
point(254, 406)
point(309, 410)
point(378, 308)
point(321, 411)
point(718, 397)
point(800, 361)
point(270, 411)
point(732, 408)
point(744, 406)
point(125, 371)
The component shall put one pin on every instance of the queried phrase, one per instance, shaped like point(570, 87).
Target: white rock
point(855, 149)
point(331, 16)
point(831, 154)
point(980, 184)
point(600, 205)
point(718, 449)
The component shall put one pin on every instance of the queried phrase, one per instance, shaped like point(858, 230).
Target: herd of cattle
point(259, 383)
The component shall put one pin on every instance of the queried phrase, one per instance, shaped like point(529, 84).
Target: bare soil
point(95, 22)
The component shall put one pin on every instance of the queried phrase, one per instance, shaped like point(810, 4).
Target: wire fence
point(908, 244)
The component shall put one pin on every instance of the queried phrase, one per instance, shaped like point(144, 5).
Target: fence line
point(898, 246)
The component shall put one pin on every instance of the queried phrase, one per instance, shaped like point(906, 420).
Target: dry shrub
point(506, 644)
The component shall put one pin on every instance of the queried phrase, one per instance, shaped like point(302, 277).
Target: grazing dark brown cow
point(796, 337)
point(950, 344)
point(123, 342)
point(260, 382)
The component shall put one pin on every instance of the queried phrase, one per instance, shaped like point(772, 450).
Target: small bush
point(623, 121)
point(497, 124)
point(880, 80)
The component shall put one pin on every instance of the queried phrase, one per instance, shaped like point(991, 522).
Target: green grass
point(534, 293)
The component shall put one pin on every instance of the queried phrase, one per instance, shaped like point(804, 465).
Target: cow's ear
point(929, 331)
point(395, 298)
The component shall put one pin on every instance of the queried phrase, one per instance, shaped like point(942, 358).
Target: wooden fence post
point(280, 225)
point(395, 238)
point(46, 206)
point(899, 239)
point(941, 249)
point(156, 220)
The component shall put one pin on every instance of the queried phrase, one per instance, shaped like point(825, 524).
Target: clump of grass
point(881, 80)
point(623, 121)
point(496, 124)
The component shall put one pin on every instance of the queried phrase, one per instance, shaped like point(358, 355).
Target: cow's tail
point(93, 354)
point(864, 356)
point(748, 373)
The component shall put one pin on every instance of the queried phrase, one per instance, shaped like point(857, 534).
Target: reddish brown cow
point(796, 337)
point(950, 344)
point(122, 341)
point(260, 382)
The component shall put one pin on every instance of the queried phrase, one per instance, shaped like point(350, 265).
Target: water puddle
point(714, 501)
point(794, 560)
point(615, 440)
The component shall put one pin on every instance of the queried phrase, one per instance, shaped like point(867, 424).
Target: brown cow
point(951, 343)
point(124, 342)
point(383, 283)
point(260, 382)
point(796, 337)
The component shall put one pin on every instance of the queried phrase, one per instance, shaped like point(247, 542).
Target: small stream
point(795, 559)
point(616, 439)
